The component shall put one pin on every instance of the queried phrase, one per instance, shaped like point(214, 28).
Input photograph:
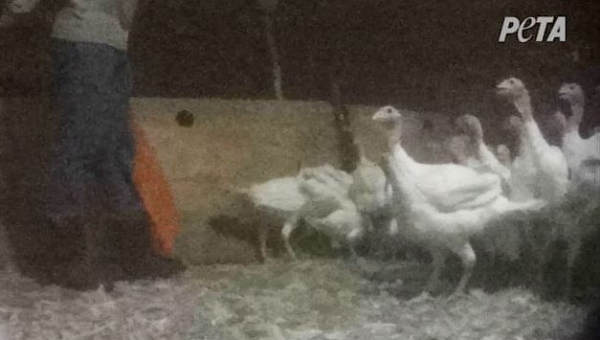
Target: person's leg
point(117, 165)
point(77, 146)
point(81, 79)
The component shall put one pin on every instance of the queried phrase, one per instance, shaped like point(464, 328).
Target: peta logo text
point(555, 27)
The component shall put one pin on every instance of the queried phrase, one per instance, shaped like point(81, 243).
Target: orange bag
point(155, 193)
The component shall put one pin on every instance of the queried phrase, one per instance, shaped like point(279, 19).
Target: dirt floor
point(309, 299)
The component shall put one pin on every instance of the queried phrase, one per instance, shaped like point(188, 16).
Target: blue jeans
point(93, 156)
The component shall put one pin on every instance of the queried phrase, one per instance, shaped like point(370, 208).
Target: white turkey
point(369, 190)
point(337, 181)
point(471, 126)
point(583, 155)
point(463, 152)
point(311, 196)
point(327, 208)
point(372, 195)
point(504, 238)
point(551, 173)
point(523, 180)
point(549, 161)
point(509, 240)
point(449, 186)
point(280, 198)
point(460, 151)
point(431, 221)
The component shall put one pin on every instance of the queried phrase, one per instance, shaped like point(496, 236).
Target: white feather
point(280, 195)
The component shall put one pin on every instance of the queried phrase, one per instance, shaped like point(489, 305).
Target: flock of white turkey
point(441, 207)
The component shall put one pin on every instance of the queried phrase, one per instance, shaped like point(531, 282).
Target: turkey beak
point(556, 115)
point(562, 94)
point(501, 90)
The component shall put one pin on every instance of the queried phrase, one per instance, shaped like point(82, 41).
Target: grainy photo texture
point(299, 169)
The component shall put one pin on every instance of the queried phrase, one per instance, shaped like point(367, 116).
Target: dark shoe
point(77, 275)
point(36, 248)
point(78, 258)
point(109, 274)
point(130, 235)
point(42, 273)
point(152, 266)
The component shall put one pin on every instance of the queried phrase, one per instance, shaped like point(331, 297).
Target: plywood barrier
point(236, 143)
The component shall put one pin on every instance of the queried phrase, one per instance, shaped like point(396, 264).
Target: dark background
point(425, 54)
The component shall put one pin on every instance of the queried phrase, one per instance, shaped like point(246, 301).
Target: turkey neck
point(476, 136)
point(394, 133)
point(518, 135)
point(576, 118)
point(520, 141)
point(523, 104)
point(505, 161)
point(394, 179)
point(396, 149)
